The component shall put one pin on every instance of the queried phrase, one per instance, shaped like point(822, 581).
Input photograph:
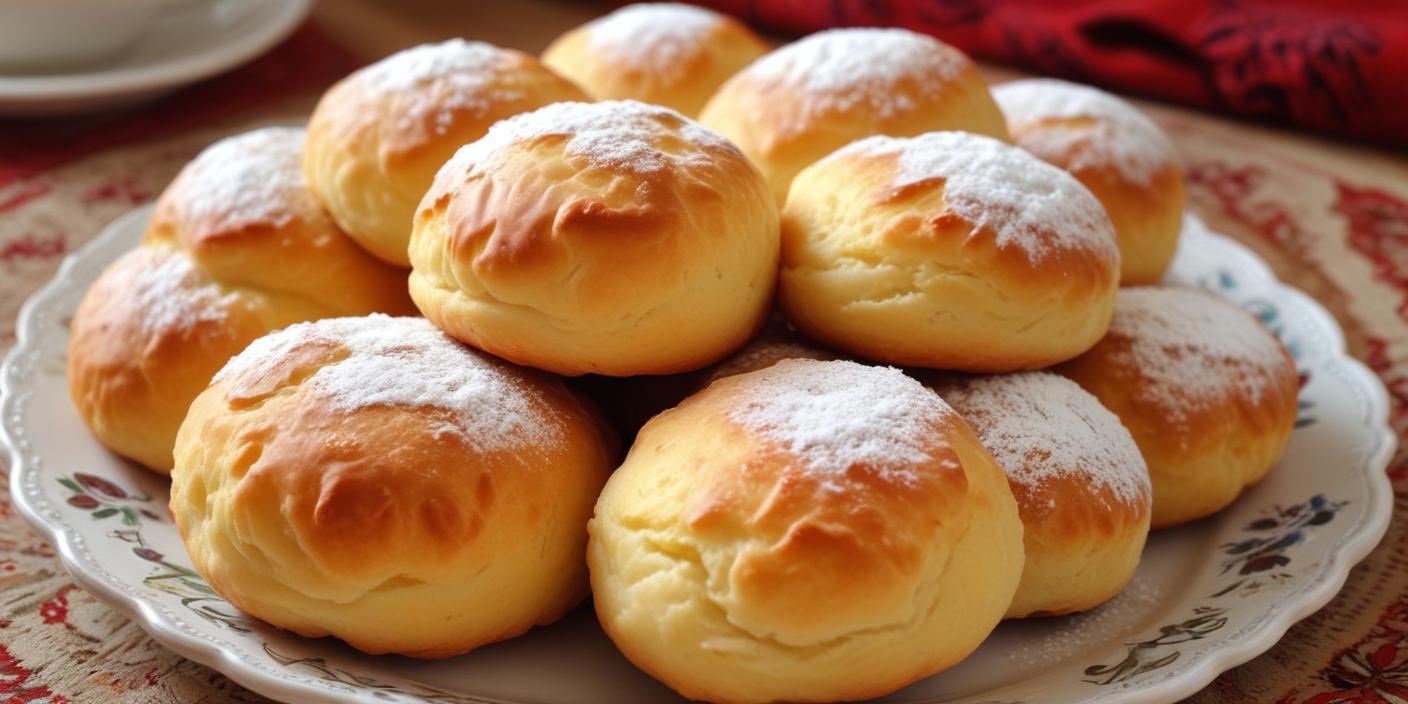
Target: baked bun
point(376, 138)
point(809, 98)
point(947, 250)
point(614, 238)
point(374, 480)
point(813, 531)
point(1207, 391)
point(236, 247)
point(1081, 486)
point(663, 53)
point(1117, 152)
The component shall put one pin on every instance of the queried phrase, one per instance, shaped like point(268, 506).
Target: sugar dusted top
point(654, 36)
point(173, 296)
point(1040, 426)
point(621, 135)
point(255, 178)
point(407, 362)
point(1192, 348)
point(418, 65)
point(840, 69)
point(440, 80)
point(838, 414)
point(1118, 133)
point(1024, 201)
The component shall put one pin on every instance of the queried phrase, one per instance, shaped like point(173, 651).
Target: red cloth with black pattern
point(1338, 67)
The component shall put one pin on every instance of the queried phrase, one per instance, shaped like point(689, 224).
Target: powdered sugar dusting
point(1107, 625)
point(407, 362)
point(840, 69)
point(1040, 426)
point(653, 35)
point(251, 178)
point(463, 73)
point(173, 296)
point(838, 414)
point(1119, 134)
point(1193, 348)
point(1026, 202)
point(611, 134)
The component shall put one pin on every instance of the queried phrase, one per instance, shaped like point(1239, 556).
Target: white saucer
point(184, 45)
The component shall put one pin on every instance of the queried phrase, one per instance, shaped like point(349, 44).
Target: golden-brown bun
point(813, 531)
point(947, 250)
point(1081, 486)
point(237, 247)
point(1117, 152)
point(613, 238)
point(809, 98)
point(663, 53)
point(374, 480)
point(376, 138)
point(1207, 391)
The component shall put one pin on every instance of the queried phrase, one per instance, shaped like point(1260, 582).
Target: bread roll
point(372, 479)
point(813, 531)
point(377, 138)
point(807, 99)
point(236, 247)
point(1081, 486)
point(613, 238)
point(947, 250)
point(1117, 152)
point(1207, 391)
point(663, 53)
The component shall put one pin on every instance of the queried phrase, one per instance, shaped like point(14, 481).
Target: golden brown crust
point(1207, 442)
point(1147, 219)
point(588, 261)
point(1081, 486)
point(130, 380)
point(783, 125)
point(376, 524)
point(785, 583)
point(378, 136)
point(667, 54)
point(893, 270)
point(236, 248)
point(1117, 152)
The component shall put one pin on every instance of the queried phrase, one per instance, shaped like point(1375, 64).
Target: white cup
point(40, 35)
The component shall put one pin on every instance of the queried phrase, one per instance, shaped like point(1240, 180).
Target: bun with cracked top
point(812, 531)
point(376, 139)
point(1207, 391)
point(235, 248)
point(662, 53)
point(948, 250)
point(613, 238)
point(818, 94)
point(1081, 486)
point(374, 480)
point(1117, 152)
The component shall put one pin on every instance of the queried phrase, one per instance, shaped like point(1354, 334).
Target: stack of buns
point(797, 520)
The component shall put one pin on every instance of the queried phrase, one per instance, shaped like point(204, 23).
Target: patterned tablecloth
point(1331, 218)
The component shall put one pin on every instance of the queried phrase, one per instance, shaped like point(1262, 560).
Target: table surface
point(1330, 217)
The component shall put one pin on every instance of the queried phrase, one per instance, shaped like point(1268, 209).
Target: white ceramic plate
point(185, 44)
point(1207, 596)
